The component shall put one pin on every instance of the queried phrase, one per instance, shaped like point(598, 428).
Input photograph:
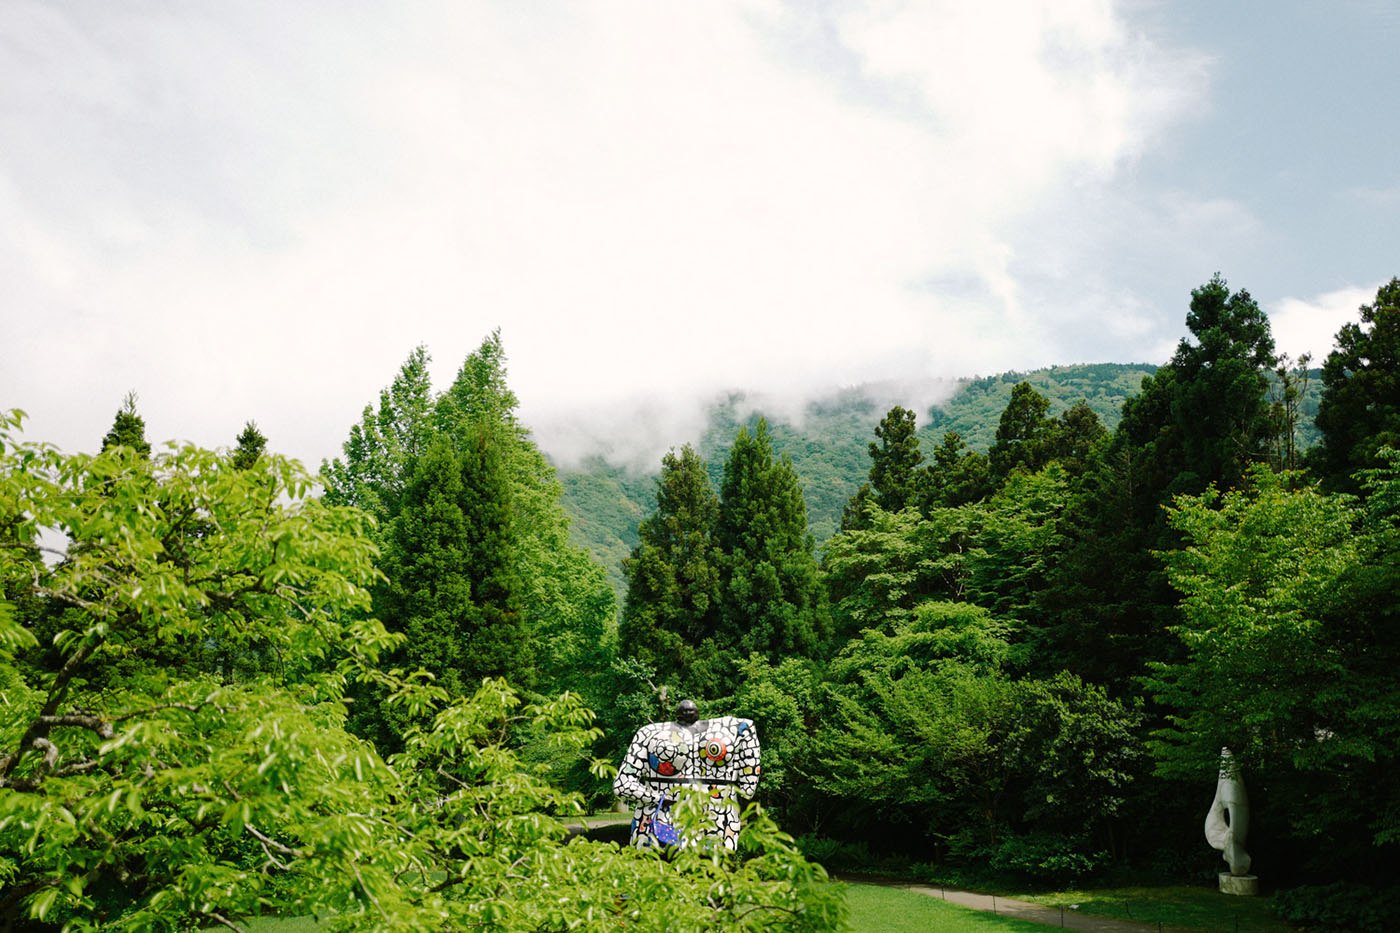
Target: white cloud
point(258, 210)
point(1310, 325)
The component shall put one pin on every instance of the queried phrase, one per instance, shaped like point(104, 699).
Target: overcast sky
point(256, 210)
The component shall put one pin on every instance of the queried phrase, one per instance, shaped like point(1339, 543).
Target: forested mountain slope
point(827, 445)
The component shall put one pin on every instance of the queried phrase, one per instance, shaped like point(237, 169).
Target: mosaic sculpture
point(719, 757)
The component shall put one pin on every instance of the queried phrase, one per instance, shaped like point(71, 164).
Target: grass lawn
point(880, 909)
point(1192, 908)
point(873, 909)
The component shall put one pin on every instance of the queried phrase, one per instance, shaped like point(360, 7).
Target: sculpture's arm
point(631, 783)
point(749, 752)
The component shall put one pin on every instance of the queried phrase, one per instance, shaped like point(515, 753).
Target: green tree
point(128, 429)
point(1022, 433)
point(1016, 540)
point(878, 573)
point(251, 445)
point(1290, 651)
point(382, 447)
point(1287, 394)
point(1359, 412)
point(894, 461)
point(1201, 419)
point(449, 584)
point(673, 586)
point(206, 803)
point(566, 602)
point(1220, 406)
point(561, 597)
point(1074, 435)
point(771, 597)
point(923, 729)
point(895, 479)
point(957, 476)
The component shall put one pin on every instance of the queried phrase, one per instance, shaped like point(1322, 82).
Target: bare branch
point(95, 723)
point(269, 842)
point(786, 910)
point(187, 707)
point(368, 893)
point(221, 920)
point(77, 767)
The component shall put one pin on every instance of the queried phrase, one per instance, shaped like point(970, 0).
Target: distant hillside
point(828, 447)
point(976, 408)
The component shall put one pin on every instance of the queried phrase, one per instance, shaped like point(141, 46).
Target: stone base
point(1246, 885)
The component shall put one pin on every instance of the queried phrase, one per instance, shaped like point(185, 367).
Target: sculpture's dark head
point(687, 713)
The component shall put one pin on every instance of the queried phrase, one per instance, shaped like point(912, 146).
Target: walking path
point(1023, 910)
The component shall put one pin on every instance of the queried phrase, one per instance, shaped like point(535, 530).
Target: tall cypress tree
point(496, 644)
point(450, 584)
point(128, 429)
point(672, 607)
point(251, 446)
point(771, 598)
point(554, 610)
point(957, 476)
point(427, 591)
point(383, 446)
point(1022, 433)
point(565, 599)
point(1201, 419)
point(895, 481)
point(1359, 411)
point(895, 460)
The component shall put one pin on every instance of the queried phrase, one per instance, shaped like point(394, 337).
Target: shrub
point(1342, 905)
point(1048, 858)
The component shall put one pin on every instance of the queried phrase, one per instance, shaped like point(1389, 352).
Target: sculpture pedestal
point(1246, 885)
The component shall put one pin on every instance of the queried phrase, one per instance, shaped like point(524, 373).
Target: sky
point(257, 210)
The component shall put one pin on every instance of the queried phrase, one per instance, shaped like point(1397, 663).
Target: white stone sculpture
point(1227, 826)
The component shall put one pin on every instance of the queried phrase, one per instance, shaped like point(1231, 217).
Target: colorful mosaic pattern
point(717, 756)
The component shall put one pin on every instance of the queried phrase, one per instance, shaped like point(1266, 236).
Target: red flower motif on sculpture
point(666, 768)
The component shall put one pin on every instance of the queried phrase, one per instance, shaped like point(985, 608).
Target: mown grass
point(873, 909)
point(884, 909)
point(1182, 906)
point(880, 909)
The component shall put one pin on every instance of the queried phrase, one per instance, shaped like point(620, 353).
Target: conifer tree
point(895, 461)
point(565, 599)
point(1201, 419)
point(251, 445)
point(1073, 436)
point(672, 606)
point(957, 476)
point(450, 585)
point(383, 446)
point(771, 601)
point(558, 600)
point(496, 643)
point(1359, 412)
point(128, 429)
point(1022, 433)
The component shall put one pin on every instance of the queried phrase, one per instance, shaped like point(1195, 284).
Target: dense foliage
point(1039, 647)
point(136, 795)
point(1031, 627)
